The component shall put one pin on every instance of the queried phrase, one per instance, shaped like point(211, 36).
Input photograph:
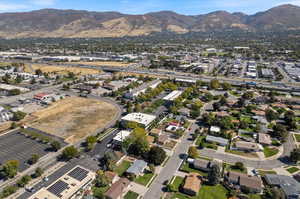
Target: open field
point(105, 63)
point(60, 70)
point(73, 118)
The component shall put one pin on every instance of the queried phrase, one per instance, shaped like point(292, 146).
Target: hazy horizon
point(188, 7)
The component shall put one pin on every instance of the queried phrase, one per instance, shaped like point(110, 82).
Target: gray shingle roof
point(137, 167)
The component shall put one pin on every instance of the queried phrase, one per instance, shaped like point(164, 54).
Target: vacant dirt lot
point(73, 118)
point(61, 70)
point(106, 63)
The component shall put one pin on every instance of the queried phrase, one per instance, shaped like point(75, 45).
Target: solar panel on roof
point(78, 173)
point(58, 188)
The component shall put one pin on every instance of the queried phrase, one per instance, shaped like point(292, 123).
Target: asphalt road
point(156, 188)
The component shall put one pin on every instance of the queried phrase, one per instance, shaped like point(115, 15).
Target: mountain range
point(86, 24)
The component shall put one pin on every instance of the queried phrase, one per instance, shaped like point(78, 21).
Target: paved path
point(155, 190)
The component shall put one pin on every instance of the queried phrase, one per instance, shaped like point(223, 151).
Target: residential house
point(155, 132)
point(258, 113)
point(243, 181)
point(289, 185)
point(162, 139)
point(184, 111)
point(118, 189)
point(220, 141)
point(264, 139)
point(201, 164)
point(137, 168)
point(192, 184)
point(246, 146)
point(111, 176)
point(215, 129)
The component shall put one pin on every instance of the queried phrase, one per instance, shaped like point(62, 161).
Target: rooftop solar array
point(58, 188)
point(78, 173)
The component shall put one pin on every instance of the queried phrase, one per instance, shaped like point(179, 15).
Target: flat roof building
point(66, 186)
point(141, 118)
point(173, 95)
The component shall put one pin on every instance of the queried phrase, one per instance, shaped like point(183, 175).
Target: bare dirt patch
point(73, 118)
point(61, 70)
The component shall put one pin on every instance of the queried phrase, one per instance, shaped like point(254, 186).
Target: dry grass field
point(61, 70)
point(73, 118)
point(106, 63)
point(4, 127)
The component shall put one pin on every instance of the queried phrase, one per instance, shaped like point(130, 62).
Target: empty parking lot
point(15, 146)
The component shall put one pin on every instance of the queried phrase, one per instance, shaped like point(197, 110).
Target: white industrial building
point(173, 95)
point(141, 118)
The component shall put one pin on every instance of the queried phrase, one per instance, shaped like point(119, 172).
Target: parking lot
point(15, 146)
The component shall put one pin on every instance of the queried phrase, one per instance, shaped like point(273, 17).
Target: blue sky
point(143, 6)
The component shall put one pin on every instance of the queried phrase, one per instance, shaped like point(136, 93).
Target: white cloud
point(11, 6)
point(43, 2)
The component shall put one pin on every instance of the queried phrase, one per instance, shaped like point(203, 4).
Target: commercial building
point(141, 118)
point(66, 186)
point(8, 87)
point(267, 73)
point(173, 95)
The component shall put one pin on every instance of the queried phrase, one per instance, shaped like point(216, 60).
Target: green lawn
point(131, 195)
point(269, 151)
point(292, 169)
point(230, 167)
point(185, 167)
point(206, 192)
point(120, 170)
point(210, 146)
point(254, 196)
point(144, 179)
point(177, 182)
point(199, 140)
point(297, 136)
point(212, 192)
point(264, 172)
point(97, 191)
